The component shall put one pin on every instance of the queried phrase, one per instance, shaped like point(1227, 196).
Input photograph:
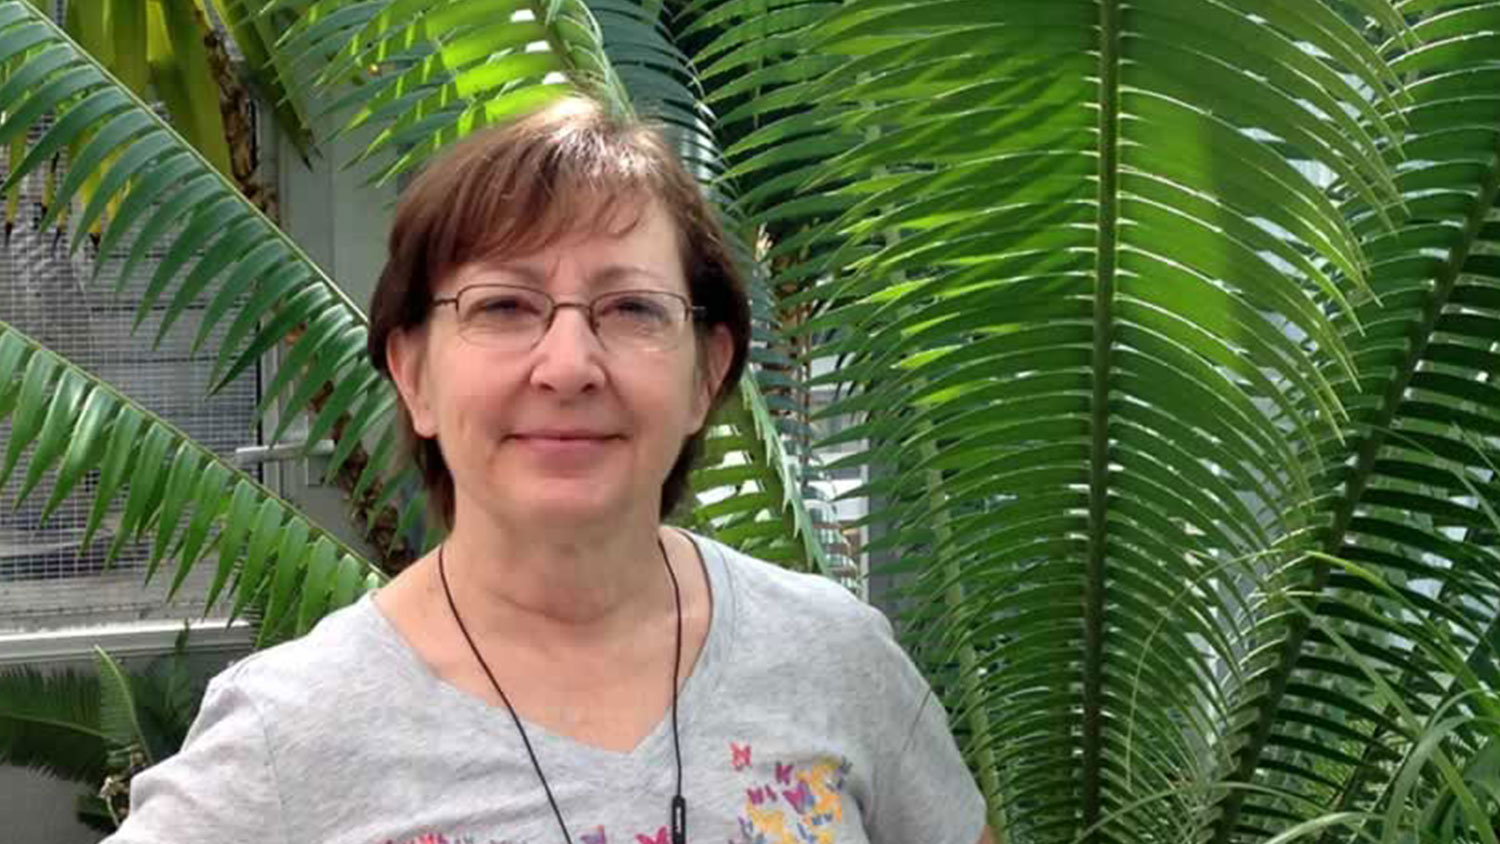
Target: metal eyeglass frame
point(694, 313)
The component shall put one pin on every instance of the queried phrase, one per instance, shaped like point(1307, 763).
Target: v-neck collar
point(696, 692)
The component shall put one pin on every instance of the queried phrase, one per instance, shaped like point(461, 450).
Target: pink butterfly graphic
point(799, 797)
point(783, 773)
point(758, 795)
point(739, 756)
point(595, 837)
point(660, 838)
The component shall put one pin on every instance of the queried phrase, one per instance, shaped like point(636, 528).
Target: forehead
point(635, 246)
point(547, 274)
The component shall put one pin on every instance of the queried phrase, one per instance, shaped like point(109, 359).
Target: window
point(46, 580)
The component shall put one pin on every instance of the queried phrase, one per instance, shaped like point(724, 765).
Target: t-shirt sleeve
point(219, 787)
point(922, 790)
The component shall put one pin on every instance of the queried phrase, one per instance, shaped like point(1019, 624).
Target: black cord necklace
point(679, 805)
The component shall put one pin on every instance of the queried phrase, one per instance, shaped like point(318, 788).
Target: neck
point(556, 590)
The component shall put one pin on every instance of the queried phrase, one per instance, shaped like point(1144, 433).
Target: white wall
point(341, 224)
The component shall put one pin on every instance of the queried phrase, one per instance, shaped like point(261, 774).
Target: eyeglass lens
point(517, 317)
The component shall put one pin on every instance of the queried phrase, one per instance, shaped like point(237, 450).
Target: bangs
point(496, 204)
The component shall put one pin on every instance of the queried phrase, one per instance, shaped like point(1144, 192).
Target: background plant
point(99, 729)
point(1171, 329)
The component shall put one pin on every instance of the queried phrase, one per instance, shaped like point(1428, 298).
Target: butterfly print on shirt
point(801, 806)
point(739, 757)
point(439, 838)
point(783, 774)
point(800, 797)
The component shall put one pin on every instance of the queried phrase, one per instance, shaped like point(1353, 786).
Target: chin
point(557, 502)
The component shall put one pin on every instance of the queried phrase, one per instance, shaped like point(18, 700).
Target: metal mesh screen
point(46, 580)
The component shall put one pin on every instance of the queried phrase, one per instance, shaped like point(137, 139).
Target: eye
point(502, 305)
point(638, 306)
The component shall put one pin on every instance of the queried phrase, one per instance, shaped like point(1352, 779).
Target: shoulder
point(762, 580)
point(327, 669)
point(800, 606)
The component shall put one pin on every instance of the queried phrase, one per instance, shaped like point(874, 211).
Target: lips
point(548, 434)
point(572, 448)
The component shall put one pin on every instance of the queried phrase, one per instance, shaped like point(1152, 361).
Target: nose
point(568, 358)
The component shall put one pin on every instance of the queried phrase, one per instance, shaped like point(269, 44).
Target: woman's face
point(568, 429)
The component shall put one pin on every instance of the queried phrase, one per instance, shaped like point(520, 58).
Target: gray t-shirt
point(803, 722)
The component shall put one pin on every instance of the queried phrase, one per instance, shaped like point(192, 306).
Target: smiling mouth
point(564, 446)
point(566, 437)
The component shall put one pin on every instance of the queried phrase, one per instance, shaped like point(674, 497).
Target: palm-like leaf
point(1411, 491)
point(97, 728)
point(752, 504)
point(752, 491)
point(423, 73)
point(185, 498)
point(145, 716)
point(50, 722)
point(160, 44)
point(1172, 324)
point(119, 715)
point(216, 245)
point(1065, 231)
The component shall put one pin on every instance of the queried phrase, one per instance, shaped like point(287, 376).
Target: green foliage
point(187, 500)
point(1171, 329)
point(50, 722)
point(98, 728)
point(1148, 313)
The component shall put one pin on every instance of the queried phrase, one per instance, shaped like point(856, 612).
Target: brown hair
point(522, 186)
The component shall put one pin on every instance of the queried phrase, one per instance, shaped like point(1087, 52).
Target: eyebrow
point(604, 275)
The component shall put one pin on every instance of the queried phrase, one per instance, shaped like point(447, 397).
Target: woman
point(560, 316)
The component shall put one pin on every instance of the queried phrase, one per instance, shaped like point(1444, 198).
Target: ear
point(719, 351)
point(406, 357)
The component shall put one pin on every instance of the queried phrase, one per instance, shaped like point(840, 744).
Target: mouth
point(566, 446)
point(565, 436)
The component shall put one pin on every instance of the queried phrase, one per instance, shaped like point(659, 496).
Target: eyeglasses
point(510, 318)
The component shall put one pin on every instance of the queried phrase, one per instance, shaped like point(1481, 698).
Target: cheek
point(478, 403)
point(466, 395)
point(659, 396)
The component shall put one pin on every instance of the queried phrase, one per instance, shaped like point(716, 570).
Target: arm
point(219, 787)
point(923, 791)
point(987, 837)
